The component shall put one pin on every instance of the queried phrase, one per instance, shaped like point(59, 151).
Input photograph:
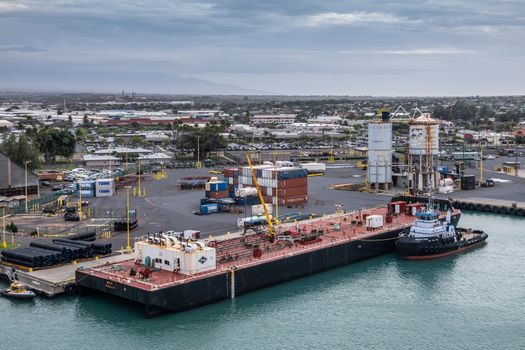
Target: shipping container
point(209, 208)
point(292, 200)
point(217, 194)
point(218, 186)
point(86, 185)
point(314, 168)
point(86, 193)
point(104, 192)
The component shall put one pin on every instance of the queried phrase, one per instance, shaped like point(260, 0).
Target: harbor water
point(473, 300)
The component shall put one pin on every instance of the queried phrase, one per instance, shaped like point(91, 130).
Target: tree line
point(46, 142)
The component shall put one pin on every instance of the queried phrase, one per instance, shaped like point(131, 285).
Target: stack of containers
point(105, 188)
point(231, 176)
point(288, 185)
point(216, 189)
point(86, 188)
point(291, 186)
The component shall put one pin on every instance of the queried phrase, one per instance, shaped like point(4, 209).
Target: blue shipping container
point(209, 208)
point(86, 185)
point(292, 174)
point(247, 200)
point(218, 186)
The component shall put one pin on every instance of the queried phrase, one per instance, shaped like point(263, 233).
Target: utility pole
point(480, 163)
point(198, 165)
point(140, 175)
point(25, 163)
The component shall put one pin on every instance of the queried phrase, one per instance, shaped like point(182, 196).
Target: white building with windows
point(272, 118)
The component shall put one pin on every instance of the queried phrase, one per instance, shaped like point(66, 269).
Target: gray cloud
point(314, 46)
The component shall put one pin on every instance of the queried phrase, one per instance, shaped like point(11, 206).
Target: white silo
point(380, 152)
point(423, 153)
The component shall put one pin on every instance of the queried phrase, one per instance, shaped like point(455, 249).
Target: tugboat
point(429, 238)
point(17, 291)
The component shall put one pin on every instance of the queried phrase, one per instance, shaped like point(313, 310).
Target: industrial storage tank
point(424, 136)
point(380, 153)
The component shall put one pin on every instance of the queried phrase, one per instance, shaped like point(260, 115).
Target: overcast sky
point(373, 47)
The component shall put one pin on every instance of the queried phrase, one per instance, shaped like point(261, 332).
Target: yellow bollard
point(74, 262)
point(96, 257)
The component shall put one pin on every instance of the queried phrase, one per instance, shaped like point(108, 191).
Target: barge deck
point(247, 262)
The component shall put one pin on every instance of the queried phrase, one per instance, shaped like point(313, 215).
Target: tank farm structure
point(173, 274)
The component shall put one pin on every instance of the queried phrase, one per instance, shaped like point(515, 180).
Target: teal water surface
point(470, 301)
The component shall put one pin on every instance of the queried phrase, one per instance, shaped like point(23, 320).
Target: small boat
point(430, 238)
point(17, 291)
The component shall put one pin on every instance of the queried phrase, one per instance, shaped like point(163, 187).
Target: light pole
point(128, 248)
point(198, 152)
point(25, 163)
point(140, 174)
point(4, 244)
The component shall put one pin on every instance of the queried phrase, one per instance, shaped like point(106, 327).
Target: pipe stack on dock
point(44, 253)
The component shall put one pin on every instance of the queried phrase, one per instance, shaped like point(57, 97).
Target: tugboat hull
point(414, 248)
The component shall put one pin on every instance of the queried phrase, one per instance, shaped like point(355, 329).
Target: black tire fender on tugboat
point(512, 211)
point(487, 208)
point(471, 206)
point(520, 212)
point(479, 207)
point(494, 209)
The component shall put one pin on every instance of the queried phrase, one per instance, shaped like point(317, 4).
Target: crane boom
point(268, 218)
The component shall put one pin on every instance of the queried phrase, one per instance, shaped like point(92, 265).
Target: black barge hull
point(184, 296)
point(199, 292)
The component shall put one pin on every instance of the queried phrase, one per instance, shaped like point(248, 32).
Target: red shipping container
point(294, 191)
point(219, 194)
point(293, 200)
point(300, 182)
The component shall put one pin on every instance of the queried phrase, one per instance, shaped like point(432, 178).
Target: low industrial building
point(93, 160)
point(154, 158)
point(123, 152)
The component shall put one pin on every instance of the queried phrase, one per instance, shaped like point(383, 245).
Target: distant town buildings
point(272, 118)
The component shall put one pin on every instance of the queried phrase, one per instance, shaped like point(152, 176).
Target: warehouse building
point(93, 160)
point(12, 179)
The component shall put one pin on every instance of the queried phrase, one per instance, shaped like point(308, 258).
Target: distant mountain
point(111, 81)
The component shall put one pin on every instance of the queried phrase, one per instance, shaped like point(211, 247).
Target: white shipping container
point(314, 168)
point(374, 221)
point(104, 183)
point(104, 192)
